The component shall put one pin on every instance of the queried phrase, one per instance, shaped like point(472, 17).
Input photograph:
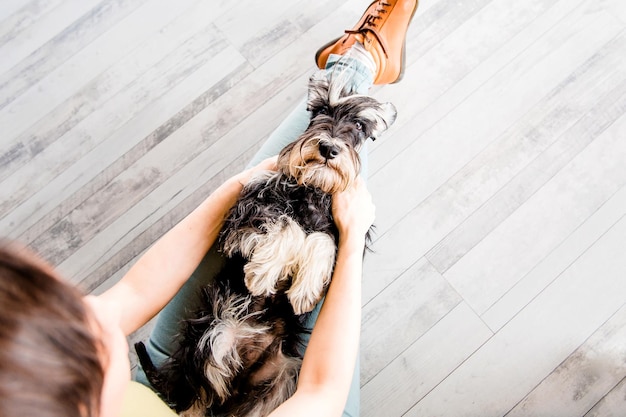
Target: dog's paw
point(272, 256)
point(303, 303)
point(316, 261)
point(261, 279)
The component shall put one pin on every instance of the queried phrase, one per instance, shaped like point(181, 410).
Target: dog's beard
point(303, 162)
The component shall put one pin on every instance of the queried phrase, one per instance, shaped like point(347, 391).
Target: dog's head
point(326, 156)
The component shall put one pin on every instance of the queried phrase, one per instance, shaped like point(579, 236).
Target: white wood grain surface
point(497, 285)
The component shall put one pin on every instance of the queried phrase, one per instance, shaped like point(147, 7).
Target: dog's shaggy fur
point(241, 354)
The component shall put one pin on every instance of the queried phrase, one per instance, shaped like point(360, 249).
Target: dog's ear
point(385, 116)
point(318, 92)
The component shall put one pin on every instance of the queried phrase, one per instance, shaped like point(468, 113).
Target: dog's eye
point(358, 125)
point(323, 110)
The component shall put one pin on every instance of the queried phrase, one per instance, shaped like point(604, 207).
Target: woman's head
point(51, 360)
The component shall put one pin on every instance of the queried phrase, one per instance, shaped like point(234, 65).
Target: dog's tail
point(152, 373)
point(168, 380)
point(229, 359)
point(267, 387)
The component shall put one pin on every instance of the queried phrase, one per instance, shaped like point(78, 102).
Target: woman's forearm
point(330, 357)
point(164, 268)
point(335, 339)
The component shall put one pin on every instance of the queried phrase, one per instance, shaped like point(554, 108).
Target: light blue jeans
point(161, 343)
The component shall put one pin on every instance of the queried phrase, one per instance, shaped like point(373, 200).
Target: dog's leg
point(315, 263)
point(273, 255)
point(233, 325)
point(274, 383)
point(283, 250)
point(197, 410)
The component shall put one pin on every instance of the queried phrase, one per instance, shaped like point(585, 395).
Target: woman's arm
point(156, 277)
point(330, 357)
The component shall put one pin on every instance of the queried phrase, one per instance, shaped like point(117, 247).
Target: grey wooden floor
point(498, 282)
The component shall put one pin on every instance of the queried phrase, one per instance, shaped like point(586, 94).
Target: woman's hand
point(353, 211)
point(268, 164)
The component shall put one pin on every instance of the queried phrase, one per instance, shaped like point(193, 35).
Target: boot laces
point(371, 23)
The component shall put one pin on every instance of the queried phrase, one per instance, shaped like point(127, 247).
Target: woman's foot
point(382, 32)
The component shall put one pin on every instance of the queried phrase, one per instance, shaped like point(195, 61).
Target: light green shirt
point(141, 401)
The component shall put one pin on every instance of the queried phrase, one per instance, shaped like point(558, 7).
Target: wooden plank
point(430, 31)
point(613, 404)
point(64, 81)
point(62, 46)
point(257, 39)
point(33, 26)
point(401, 314)
point(420, 368)
point(503, 99)
point(117, 259)
point(473, 43)
point(94, 95)
point(11, 7)
point(460, 137)
point(93, 128)
point(616, 7)
point(222, 77)
point(517, 358)
point(98, 127)
point(305, 14)
point(545, 140)
point(584, 378)
point(228, 153)
point(556, 261)
point(516, 246)
point(86, 217)
point(16, 17)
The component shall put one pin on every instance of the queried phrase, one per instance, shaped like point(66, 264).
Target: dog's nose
point(328, 150)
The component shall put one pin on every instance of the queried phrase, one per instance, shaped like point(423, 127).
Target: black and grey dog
point(240, 355)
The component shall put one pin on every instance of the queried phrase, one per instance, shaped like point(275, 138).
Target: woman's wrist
point(245, 176)
point(352, 241)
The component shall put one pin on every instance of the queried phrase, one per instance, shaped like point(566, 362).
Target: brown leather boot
point(382, 31)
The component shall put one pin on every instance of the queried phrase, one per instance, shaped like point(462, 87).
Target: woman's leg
point(161, 343)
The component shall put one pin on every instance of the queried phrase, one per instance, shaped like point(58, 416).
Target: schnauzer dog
point(240, 355)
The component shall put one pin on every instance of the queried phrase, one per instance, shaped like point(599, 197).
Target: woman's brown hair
point(50, 359)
